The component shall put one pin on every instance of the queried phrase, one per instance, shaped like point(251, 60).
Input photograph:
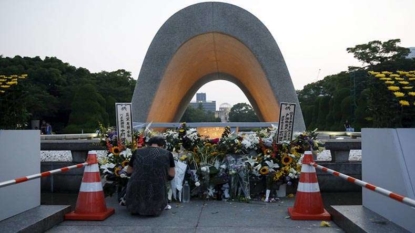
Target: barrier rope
point(364, 184)
point(44, 174)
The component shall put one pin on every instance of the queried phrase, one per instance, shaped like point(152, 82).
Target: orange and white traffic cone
point(91, 200)
point(308, 202)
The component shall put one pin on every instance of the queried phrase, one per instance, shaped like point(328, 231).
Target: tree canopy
point(242, 112)
point(48, 92)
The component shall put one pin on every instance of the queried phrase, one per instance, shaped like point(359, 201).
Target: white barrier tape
point(385, 192)
point(43, 174)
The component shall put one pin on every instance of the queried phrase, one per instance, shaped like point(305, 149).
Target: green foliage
point(88, 108)
point(376, 52)
point(198, 115)
point(353, 94)
point(242, 112)
point(49, 90)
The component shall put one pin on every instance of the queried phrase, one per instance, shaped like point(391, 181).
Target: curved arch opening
point(205, 58)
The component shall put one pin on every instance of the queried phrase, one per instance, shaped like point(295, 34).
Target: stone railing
point(340, 151)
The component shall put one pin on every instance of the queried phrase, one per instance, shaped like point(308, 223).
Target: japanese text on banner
point(124, 123)
point(286, 122)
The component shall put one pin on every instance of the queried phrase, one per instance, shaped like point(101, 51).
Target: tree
point(198, 115)
point(242, 112)
point(88, 110)
point(376, 52)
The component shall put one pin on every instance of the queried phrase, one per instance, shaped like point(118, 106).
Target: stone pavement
point(202, 216)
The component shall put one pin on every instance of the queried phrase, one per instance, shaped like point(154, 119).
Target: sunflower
point(117, 171)
point(264, 170)
point(115, 151)
point(286, 160)
point(278, 175)
point(125, 163)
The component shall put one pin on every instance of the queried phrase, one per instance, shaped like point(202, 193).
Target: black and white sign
point(124, 122)
point(286, 122)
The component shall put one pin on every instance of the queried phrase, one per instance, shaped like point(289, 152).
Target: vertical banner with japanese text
point(124, 122)
point(286, 122)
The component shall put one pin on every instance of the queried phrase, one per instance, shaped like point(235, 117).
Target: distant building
point(412, 53)
point(223, 112)
point(207, 105)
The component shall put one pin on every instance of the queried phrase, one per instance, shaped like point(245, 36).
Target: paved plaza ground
point(205, 216)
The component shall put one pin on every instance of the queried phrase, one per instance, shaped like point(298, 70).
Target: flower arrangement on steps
point(238, 166)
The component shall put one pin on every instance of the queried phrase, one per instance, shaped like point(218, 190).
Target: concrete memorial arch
point(206, 42)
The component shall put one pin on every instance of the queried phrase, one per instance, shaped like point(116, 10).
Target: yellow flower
point(298, 167)
point(5, 86)
point(125, 163)
point(404, 82)
point(399, 79)
point(385, 79)
point(117, 171)
point(393, 88)
point(399, 94)
point(404, 103)
point(407, 87)
point(278, 175)
point(386, 72)
point(183, 157)
point(411, 93)
point(286, 160)
point(394, 75)
point(115, 151)
point(264, 170)
point(390, 82)
point(411, 79)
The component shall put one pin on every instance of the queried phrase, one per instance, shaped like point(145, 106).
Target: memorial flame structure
point(207, 42)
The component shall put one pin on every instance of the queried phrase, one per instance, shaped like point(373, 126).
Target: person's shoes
point(122, 202)
point(168, 207)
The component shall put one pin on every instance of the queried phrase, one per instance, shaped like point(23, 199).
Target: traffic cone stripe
point(308, 187)
point(308, 178)
point(308, 169)
point(91, 177)
point(91, 187)
point(94, 168)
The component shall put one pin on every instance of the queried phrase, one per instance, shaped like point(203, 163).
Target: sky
point(107, 35)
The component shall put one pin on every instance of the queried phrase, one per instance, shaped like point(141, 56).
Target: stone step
point(357, 218)
point(38, 219)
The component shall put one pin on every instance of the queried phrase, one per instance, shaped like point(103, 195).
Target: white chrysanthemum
point(246, 143)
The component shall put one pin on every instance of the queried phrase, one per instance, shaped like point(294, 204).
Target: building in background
point(207, 105)
point(223, 112)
